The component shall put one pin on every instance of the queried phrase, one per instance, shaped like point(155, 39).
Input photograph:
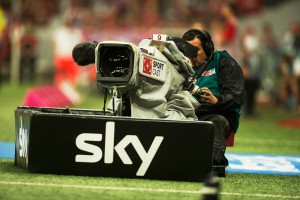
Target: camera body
point(152, 75)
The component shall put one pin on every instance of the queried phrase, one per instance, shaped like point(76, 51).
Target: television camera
point(152, 80)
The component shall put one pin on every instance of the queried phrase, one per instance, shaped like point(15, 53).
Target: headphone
point(204, 37)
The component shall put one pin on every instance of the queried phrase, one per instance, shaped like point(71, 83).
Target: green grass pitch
point(256, 135)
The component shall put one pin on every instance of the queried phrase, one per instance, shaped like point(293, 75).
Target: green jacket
point(224, 77)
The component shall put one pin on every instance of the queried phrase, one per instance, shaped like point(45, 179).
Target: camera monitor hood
point(115, 62)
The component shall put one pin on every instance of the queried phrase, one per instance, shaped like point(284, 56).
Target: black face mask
point(186, 48)
point(204, 37)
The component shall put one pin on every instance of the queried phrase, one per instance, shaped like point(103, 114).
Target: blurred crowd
point(271, 65)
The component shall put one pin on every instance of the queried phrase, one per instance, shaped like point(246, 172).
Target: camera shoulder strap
point(201, 69)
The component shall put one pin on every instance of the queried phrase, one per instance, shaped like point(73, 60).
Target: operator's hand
point(207, 96)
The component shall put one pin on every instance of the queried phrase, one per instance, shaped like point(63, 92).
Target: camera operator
point(221, 90)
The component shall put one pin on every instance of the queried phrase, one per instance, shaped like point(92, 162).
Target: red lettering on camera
point(147, 65)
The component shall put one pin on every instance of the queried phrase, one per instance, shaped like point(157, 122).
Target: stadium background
point(130, 20)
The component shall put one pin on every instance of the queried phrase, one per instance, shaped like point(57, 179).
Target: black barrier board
point(85, 142)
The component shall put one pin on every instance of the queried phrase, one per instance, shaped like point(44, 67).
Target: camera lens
point(115, 61)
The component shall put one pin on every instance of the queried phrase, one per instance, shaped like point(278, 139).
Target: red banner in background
point(249, 6)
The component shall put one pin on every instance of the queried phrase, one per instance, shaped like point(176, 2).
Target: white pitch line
point(261, 195)
point(141, 189)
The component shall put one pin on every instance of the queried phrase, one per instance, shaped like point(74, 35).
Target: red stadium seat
point(230, 140)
